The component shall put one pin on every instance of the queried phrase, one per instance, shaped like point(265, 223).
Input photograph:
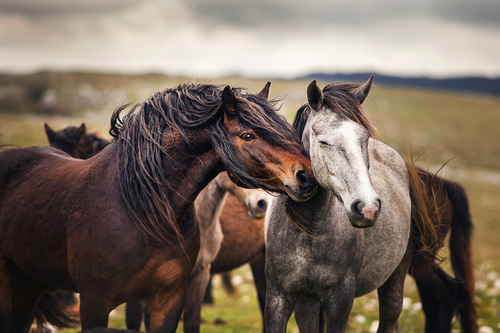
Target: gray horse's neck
point(315, 213)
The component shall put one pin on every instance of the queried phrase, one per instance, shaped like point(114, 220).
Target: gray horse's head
point(336, 135)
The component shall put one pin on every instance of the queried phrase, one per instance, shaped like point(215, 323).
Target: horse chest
point(312, 266)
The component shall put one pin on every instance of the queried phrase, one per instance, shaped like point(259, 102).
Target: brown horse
point(121, 224)
point(75, 141)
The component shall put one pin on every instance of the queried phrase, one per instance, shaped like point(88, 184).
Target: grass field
point(441, 124)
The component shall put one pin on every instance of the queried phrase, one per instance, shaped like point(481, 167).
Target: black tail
point(461, 255)
point(58, 309)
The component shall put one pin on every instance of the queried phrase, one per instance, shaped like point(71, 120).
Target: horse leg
point(259, 277)
point(338, 306)
point(165, 309)
point(208, 298)
point(133, 314)
point(307, 313)
point(196, 287)
point(277, 311)
point(7, 283)
point(94, 309)
point(26, 295)
point(391, 295)
point(438, 293)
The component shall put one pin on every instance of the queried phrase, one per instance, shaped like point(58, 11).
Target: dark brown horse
point(121, 224)
point(75, 141)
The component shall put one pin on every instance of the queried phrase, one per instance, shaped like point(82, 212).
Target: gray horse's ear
point(314, 95)
point(228, 101)
point(362, 92)
point(81, 131)
point(50, 133)
point(264, 93)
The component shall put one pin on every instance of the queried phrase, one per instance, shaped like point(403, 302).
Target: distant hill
point(467, 84)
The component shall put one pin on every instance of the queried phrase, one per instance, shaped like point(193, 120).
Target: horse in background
point(121, 224)
point(75, 141)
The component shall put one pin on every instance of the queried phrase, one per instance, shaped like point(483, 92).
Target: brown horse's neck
point(189, 169)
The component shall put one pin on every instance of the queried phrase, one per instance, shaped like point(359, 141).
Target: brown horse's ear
point(229, 101)
point(50, 133)
point(362, 92)
point(81, 131)
point(264, 93)
point(314, 95)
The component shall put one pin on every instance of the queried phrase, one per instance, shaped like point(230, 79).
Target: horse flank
point(139, 136)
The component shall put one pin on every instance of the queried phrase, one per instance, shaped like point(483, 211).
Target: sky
point(253, 38)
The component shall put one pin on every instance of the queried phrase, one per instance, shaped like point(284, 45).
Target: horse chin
point(256, 215)
point(298, 196)
point(361, 223)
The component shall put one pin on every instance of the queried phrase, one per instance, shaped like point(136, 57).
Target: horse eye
point(247, 136)
point(323, 143)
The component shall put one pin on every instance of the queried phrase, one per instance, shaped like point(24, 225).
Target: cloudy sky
point(255, 38)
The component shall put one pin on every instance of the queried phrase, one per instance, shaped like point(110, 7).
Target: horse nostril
point(262, 204)
point(302, 179)
point(356, 208)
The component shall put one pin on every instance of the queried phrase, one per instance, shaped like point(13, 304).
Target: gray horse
point(353, 235)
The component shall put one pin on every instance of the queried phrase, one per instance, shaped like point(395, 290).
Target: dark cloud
point(303, 14)
point(50, 8)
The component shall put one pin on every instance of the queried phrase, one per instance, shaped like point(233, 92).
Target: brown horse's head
point(268, 155)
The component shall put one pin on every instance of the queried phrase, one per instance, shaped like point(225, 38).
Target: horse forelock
point(338, 97)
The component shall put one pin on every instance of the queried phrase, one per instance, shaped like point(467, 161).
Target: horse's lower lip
point(297, 196)
point(356, 222)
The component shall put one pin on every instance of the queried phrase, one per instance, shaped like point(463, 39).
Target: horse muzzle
point(364, 215)
point(304, 187)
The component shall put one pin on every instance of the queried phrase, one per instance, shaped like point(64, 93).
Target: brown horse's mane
point(143, 182)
